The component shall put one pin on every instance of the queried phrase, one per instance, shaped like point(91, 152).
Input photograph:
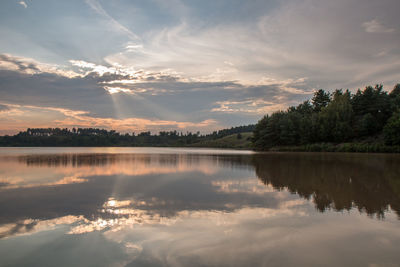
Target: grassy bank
point(344, 147)
point(235, 141)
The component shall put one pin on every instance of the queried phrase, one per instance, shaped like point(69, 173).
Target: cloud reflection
point(30, 226)
point(117, 190)
point(131, 217)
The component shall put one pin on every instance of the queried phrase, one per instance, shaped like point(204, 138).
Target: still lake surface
point(197, 207)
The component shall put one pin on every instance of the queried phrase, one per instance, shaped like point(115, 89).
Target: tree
point(259, 141)
point(335, 120)
point(373, 101)
point(320, 100)
point(395, 97)
point(337, 117)
point(304, 108)
point(367, 125)
point(396, 91)
point(392, 130)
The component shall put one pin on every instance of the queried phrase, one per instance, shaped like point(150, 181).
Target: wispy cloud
point(375, 26)
point(23, 3)
point(96, 6)
point(257, 106)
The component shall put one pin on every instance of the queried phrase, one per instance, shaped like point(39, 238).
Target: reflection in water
point(145, 201)
point(369, 182)
point(42, 187)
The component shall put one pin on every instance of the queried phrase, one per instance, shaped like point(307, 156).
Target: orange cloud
point(16, 118)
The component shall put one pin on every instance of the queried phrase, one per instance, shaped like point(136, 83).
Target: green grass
point(230, 141)
point(343, 147)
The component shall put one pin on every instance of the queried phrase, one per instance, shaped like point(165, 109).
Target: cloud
point(4, 108)
point(282, 43)
point(179, 67)
point(31, 66)
point(257, 106)
point(22, 3)
point(118, 74)
point(61, 117)
point(25, 65)
point(374, 26)
point(96, 6)
point(131, 124)
point(122, 97)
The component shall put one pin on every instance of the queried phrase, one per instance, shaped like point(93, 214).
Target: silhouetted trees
point(102, 137)
point(333, 118)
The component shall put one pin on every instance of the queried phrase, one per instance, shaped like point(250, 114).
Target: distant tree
point(320, 100)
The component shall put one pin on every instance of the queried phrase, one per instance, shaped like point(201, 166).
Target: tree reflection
point(370, 183)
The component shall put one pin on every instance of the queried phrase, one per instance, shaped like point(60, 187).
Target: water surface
point(197, 207)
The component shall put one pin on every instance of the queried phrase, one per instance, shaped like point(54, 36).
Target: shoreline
point(319, 147)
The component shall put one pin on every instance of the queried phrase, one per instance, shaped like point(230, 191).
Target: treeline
point(370, 117)
point(102, 137)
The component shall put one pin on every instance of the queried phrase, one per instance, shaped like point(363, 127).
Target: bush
point(392, 130)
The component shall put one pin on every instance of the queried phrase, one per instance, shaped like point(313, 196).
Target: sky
point(190, 65)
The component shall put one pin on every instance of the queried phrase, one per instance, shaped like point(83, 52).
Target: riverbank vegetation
point(367, 121)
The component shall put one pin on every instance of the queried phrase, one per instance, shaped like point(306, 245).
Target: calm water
point(183, 207)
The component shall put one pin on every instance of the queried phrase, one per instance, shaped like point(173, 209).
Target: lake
point(197, 207)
